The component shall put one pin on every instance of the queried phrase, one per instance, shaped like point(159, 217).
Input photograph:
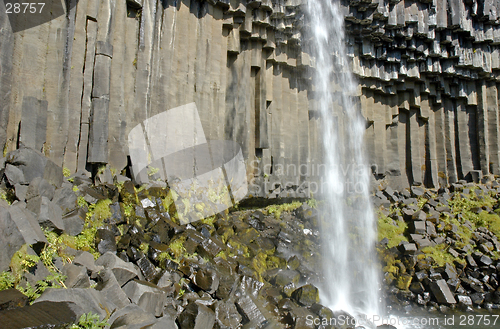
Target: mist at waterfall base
point(350, 263)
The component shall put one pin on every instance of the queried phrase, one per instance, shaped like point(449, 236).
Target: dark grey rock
point(53, 174)
point(40, 187)
point(14, 175)
point(21, 191)
point(86, 259)
point(306, 295)
point(27, 224)
point(11, 239)
point(250, 311)
point(123, 271)
point(135, 289)
point(464, 300)
point(131, 317)
point(283, 277)
point(105, 241)
point(45, 314)
point(74, 221)
point(30, 162)
point(89, 300)
point(418, 227)
point(226, 315)
point(442, 292)
point(408, 248)
point(12, 298)
point(109, 287)
point(152, 302)
point(147, 268)
point(165, 322)
point(196, 316)
point(206, 280)
point(65, 198)
point(49, 214)
point(76, 276)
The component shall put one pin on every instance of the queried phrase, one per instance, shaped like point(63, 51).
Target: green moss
point(7, 280)
point(491, 221)
point(209, 220)
point(177, 247)
point(222, 254)
point(313, 203)
point(81, 202)
point(102, 210)
point(89, 321)
point(285, 207)
point(259, 264)
point(440, 255)
point(386, 229)
point(403, 282)
point(52, 281)
point(66, 172)
point(421, 202)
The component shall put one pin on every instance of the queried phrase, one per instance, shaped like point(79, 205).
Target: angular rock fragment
point(196, 316)
point(11, 239)
point(123, 271)
point(41, 315)
point(442, 292)
point(306, 295)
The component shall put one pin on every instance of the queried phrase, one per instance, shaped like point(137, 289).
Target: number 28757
point(24, 8)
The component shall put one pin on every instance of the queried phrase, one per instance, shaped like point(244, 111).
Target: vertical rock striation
point(428, 75)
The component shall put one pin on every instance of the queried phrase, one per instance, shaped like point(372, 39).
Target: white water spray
point(351, 282)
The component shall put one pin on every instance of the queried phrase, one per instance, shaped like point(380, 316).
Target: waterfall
point(349, 231)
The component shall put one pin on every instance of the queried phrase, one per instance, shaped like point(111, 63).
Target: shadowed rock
point(11, 239)
point(123, 271)
point(196, 316)
point(442, 292)
point(12, 298)
point(40, 315)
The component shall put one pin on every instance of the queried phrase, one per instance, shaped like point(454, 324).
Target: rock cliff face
point(428, 73)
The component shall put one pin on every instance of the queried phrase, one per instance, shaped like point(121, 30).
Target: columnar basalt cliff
point(428, 76)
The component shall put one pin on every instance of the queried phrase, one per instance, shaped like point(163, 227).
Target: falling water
point(351, 282)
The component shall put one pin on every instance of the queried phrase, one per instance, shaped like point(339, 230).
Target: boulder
point(76, 276)
point(14, 175)
point(65, 198)
point(74, 221)
point(49, 214)
point(12, 298)
point(147, 268)
point(41, 315)
point(21, 191)
point(123, 271)
point(105, 241)
point(442, 292)
point(196, 316)
point(11, 239)
point(34, 164)
point(40, 187)
point(226, 315)
point(207, 280)
point(306, 295)
point(135, 289)
point(27, 224)
point(250, 311)
point(89, 300)
point(152, 302)
point(165, 322)
point(131, 317)
point(109, 287)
